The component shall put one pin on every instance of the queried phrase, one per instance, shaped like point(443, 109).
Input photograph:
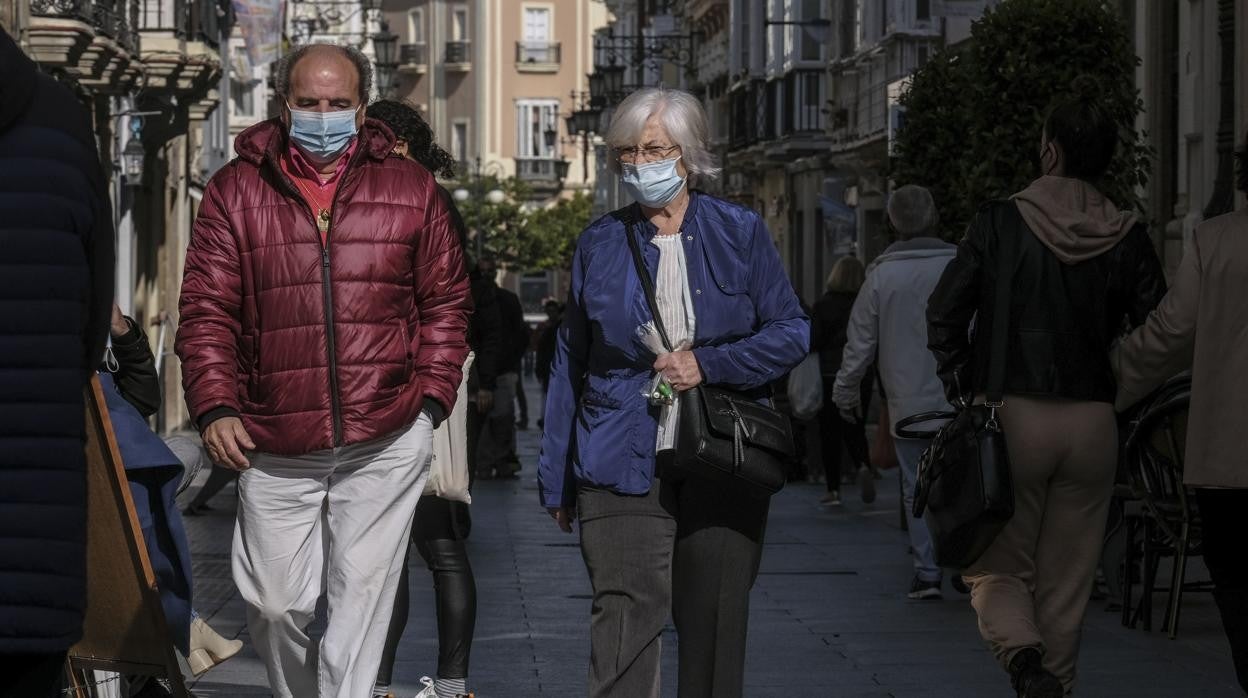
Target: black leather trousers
point(438, 533)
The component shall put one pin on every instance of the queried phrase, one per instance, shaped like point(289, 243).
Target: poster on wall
point(260, 23)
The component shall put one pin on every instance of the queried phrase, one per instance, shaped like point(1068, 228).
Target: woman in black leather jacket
point(1081, 270)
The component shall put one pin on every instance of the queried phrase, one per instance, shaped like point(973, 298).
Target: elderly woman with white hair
point(655, 536)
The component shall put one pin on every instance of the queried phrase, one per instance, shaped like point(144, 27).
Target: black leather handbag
point(722, 434)
point(965, 490)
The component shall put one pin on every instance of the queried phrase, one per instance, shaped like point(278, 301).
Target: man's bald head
point(321, 69)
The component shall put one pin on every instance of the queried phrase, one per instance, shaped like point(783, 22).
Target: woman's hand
point(680, 368)
point(562, 516)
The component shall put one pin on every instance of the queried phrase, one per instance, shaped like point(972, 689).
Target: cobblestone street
point(829, 614)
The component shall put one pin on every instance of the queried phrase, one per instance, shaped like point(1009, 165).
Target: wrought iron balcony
point(413, 55)
point(81, 10)
point(458, 53)
point(536, 169)
point(164, 16)
point(538, 54)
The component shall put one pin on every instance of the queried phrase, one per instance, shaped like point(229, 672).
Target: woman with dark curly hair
point(415, 137)
point(441, 525)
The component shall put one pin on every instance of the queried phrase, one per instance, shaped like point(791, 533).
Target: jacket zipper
point(331, 339)
point(328, 301)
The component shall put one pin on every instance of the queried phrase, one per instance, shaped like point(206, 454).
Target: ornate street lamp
point(133, 155)
point(574, 125)
point(561, 169)
point(613, 81)
point(386, 46)
point(597, 85)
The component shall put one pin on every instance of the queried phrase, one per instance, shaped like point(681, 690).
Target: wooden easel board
point(124, 630)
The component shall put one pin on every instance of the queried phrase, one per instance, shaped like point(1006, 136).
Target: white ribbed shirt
point(671, 293)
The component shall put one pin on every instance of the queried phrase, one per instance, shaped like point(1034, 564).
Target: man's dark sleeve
point(136, 373)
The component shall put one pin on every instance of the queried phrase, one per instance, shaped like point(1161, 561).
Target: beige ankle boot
point(209, 649)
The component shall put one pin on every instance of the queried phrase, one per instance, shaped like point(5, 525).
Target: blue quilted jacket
point(750, 330)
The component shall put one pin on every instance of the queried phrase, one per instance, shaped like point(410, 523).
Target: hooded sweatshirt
point(1072, 218)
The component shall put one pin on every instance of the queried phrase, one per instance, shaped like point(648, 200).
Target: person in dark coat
point(56, 288)
point(496, 450)
point(828, 337)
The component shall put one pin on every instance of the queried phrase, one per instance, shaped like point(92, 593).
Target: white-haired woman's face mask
point(652, 171)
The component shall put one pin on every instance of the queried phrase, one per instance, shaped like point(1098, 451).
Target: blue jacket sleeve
point(556, 483)
point(782, 337)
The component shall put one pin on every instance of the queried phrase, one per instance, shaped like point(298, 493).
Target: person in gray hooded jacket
point(889, 318)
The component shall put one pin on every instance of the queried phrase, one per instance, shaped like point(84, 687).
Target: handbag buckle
point(991, 423)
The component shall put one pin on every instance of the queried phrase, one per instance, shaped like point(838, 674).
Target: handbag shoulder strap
point(647, 284)
point(1007, 241)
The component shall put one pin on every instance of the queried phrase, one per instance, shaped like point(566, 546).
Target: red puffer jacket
point(319, 346)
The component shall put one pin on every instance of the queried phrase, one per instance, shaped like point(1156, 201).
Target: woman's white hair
point(681, 115)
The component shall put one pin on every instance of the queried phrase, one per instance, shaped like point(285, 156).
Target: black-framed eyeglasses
point(645, 154)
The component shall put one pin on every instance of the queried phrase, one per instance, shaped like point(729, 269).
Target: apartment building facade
point(497, 78)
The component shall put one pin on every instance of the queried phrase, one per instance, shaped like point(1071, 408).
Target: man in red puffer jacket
point(323, 329)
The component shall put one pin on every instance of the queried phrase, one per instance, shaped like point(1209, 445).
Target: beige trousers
point(1031, 587)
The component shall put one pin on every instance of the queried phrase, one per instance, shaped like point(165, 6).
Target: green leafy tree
point(974, 113)
point(540, 239)
point(549, 235)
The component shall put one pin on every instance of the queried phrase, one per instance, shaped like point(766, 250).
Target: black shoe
point(1029, 677)
point(922, 590)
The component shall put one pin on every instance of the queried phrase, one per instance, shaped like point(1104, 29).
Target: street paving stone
point(829, 617)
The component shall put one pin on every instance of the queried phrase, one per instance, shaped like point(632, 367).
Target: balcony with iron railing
point(538, 56)
point(535, 169)
point(92, 40)
point(458, 56)
point(414, 57)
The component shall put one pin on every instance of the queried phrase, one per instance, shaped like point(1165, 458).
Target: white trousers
point(335, 522)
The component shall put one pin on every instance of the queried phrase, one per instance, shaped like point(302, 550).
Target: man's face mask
point(323, 136)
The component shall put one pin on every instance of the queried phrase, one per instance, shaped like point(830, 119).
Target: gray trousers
point(689, 546)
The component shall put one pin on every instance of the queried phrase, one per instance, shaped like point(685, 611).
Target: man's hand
point(680, 368)
point(485, 401)
point(118, 326)
point(226, 439)
point(562, 516)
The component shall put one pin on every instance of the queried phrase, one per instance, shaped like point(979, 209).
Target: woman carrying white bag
point(442, 521)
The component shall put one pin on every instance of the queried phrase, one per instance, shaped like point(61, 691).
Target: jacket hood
point(267, 139)
point(1072, 218)
point(17, 88)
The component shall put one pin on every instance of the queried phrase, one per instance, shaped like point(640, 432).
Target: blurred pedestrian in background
point(1200, 325)
point(1081, 268)
point(657, 538)
point(56, 289)
point(496, 449)
point(828, 335)
point(887, 327)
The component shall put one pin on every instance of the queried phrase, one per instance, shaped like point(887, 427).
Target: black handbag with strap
point(965, 490)
point(722, 434)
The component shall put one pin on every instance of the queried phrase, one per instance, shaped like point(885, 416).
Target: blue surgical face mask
point(654, 184)
point(322, 135)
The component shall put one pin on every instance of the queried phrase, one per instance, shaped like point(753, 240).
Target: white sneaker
point(427, 691)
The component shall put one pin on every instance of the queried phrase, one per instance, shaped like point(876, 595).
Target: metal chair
point(1166, 513)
